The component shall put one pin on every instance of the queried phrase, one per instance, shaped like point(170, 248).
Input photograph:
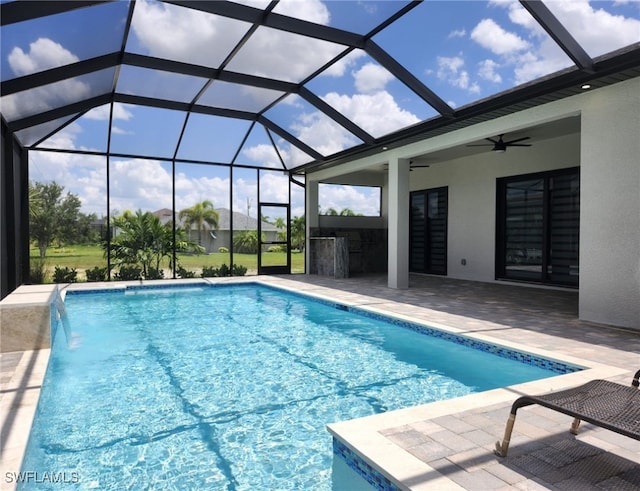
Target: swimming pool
point(231, 387)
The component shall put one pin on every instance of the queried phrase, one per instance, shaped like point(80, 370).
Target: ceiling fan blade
point(519, 144)
point(482, 145)
point(511, 142)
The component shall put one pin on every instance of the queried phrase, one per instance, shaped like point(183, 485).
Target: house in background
point(213, 239)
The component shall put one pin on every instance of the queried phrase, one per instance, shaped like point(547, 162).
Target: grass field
point(87, 257)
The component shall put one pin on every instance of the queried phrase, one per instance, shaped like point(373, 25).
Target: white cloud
point(449, 65)
point(309, 10)
point(274, 187)
point(358, 199)
point(291, 155)
point(120, 111)
point(43, 54)
point(65, 138)
point(41, 99)
point(116, 130)
point(321, 133)
point(487, 70)
point(365, 110)
point(165, 30)
point(457, 33)
point(283, 55)
point(371, 78)
point(82, 175)
point(519, 16)
point(612, 32)
point(245, 192)
point(491, 36)
point(450, 69)
point(263, 154)
point(597, 30)
point(339, 68)
point(190, 190)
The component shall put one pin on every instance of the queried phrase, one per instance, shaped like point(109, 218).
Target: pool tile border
point(362, 468)
point(495, 349)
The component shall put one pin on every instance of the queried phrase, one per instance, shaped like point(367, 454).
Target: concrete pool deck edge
point(365, 436)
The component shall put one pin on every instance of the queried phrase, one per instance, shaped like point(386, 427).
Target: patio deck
point(449, 445)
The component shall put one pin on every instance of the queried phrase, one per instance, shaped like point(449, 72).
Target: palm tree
point(298, 233)
point(201, 214)
point(36, 201)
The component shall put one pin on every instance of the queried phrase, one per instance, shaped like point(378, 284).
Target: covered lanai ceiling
point(292, 85)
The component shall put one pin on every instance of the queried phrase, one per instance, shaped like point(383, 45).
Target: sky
point(462, 50)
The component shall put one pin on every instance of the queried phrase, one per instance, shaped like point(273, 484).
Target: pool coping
point(364, 436)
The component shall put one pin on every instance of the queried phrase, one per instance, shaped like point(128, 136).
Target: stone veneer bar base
point(329, 256)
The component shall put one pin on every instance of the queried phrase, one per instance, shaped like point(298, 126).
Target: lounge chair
point(609, 405)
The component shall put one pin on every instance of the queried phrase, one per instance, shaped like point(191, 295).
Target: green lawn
point(87, 257)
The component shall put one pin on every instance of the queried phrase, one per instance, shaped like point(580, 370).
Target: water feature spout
point(61, 315)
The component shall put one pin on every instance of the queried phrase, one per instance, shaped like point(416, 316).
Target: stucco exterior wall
point(610, 206)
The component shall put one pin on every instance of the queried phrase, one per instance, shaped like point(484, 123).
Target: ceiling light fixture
point(585, 86)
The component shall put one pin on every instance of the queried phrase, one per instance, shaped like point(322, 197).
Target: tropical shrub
point(223, 250)
point(143, 242)
point(222, 271)
point(209, 271)
point(246, 242)
point(96, 274)
point(128, 273)
point(38, 270)
point(185, 273)
point(154, 274)
point(65, 275)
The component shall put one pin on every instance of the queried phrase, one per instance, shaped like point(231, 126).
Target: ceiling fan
point(500, 145)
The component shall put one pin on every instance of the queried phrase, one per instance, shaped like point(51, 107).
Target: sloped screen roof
point(290, 84)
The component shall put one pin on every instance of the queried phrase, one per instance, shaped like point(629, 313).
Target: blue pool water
point(231, 387)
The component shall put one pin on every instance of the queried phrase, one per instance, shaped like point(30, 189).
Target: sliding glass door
point(538, 227)
point(428, 231)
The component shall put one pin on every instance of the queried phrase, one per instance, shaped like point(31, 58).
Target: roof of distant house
point(240, 220)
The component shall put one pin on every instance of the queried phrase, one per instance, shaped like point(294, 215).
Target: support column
point(398, 227)
point(311, 217)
